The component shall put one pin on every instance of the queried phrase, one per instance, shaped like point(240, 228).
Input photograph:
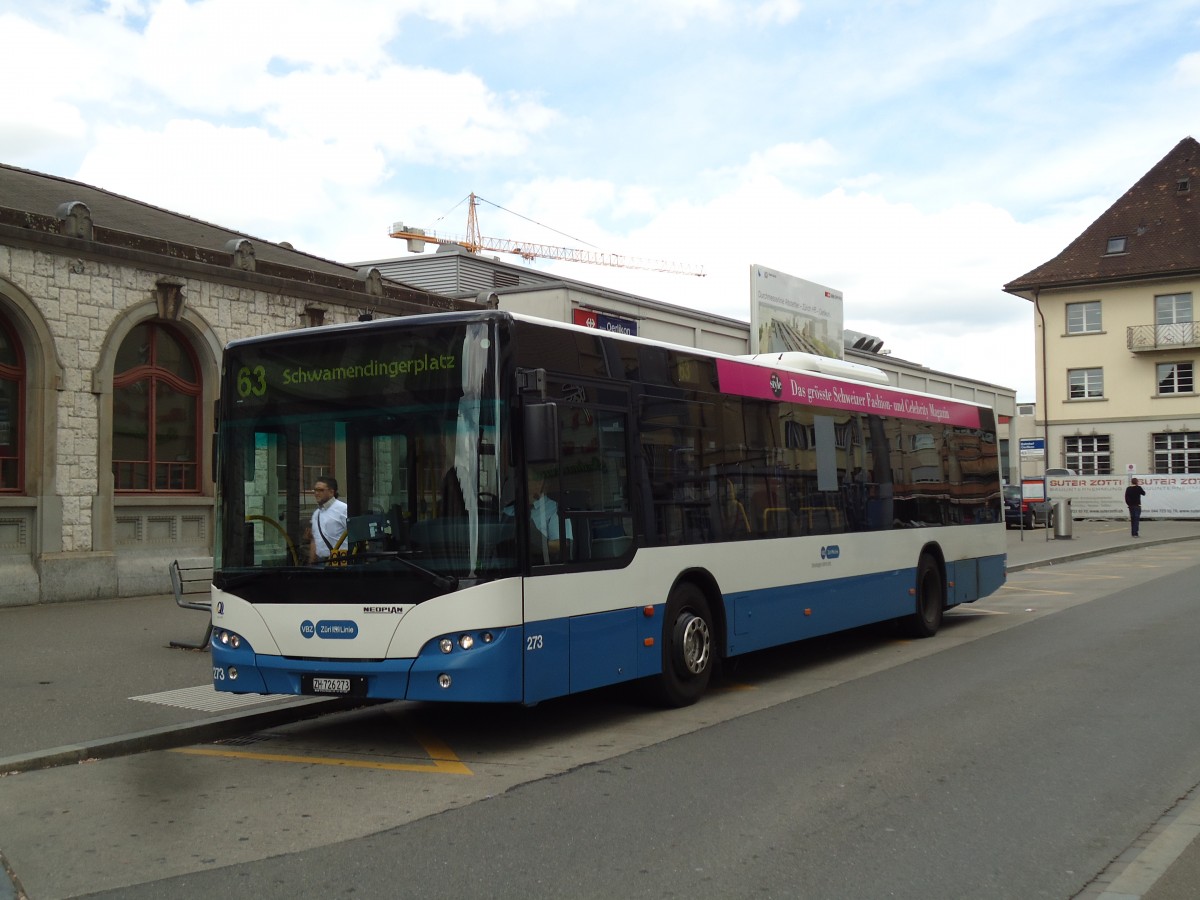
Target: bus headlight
point(446, 644)
point(466, 641)
point(443, 680)
point(229, 639)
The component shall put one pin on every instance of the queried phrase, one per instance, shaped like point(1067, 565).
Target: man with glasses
point(328, 528)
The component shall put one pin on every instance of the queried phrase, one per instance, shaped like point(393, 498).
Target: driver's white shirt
point(328, 519)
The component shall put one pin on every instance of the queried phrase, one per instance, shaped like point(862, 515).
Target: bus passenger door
point(587, 487)
point(579, 636)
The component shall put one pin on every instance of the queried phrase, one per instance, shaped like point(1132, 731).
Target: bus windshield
point(408, 425)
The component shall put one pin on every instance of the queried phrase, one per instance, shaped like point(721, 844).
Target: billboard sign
point(789, 314)
point(1103, 496)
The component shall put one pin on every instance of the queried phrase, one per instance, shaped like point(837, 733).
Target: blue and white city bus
point(537, 509)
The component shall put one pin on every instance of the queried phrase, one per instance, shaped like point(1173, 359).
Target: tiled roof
point(1159, 219)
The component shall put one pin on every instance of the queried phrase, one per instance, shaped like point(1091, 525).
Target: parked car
point(1059, 473)
point(1020, 513)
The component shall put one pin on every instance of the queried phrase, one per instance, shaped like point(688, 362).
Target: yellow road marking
point(442, 759)
point(1029, 590)
point(733, 686)
point(974, 611)
point(1075, 576)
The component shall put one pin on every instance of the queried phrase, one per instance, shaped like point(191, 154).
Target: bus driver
point(328, 528)
point(544, 536)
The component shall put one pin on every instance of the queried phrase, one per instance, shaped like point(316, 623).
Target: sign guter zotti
point(1103, 496)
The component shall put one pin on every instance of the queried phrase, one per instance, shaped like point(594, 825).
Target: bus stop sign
point(1033, 448)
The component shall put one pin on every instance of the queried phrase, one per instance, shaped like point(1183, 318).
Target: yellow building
point(1115, 331)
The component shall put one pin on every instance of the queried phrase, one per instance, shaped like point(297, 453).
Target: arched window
point(156, 413)
point(12, 415)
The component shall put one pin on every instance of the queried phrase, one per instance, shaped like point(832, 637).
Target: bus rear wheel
point(687, 651)
point(930, 599)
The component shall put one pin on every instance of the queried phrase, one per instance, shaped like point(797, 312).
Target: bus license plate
point(329, 685)
point(337, 685)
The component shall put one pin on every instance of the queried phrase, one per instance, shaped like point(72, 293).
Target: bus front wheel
point(930, 599)
point(687, 652)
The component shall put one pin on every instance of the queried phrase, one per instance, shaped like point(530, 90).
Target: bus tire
point(930, 599)
point(687, 647)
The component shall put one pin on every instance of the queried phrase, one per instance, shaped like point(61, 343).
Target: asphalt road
point(1015, 755)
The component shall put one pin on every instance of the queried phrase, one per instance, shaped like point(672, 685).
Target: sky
point(915, 156)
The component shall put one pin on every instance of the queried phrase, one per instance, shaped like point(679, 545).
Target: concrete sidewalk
point(1038, 547)
point(99, 679)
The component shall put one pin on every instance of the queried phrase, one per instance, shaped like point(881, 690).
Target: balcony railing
point(1161, 337)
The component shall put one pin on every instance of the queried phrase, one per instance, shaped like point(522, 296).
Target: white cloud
point(47, 77)
point(414, 115)
point(251, 181)
point(916, 156)
point(495, 15)
point(776, 12)
point(929, 282)
point(1187, 70)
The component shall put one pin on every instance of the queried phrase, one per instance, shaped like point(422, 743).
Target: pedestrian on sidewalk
point(1133, 499)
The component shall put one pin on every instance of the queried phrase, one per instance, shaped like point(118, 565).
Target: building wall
point(69, 535)
point(656, 321)
point(1131, 410)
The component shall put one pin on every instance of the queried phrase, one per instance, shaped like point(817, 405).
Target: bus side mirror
point(541, 432)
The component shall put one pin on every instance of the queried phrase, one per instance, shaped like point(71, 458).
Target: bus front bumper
point(488, 669)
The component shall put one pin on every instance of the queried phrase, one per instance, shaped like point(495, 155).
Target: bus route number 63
point(251, 382)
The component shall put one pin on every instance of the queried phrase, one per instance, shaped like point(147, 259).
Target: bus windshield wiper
point(444, 582)
point(231, 581)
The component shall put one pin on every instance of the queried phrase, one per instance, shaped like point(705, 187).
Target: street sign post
point(1033, 448)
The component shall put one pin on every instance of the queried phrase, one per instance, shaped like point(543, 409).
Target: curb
point(10, 887)
point(1103, 551)
point(171, 736)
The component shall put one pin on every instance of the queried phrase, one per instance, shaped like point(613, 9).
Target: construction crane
point(474, 242)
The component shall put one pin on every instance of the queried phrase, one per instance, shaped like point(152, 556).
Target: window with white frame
point(1175, 378)
point(1085, 384)
point(1177, 453)
point(1083, 318)
point(1172, 309)
point(1089, 454)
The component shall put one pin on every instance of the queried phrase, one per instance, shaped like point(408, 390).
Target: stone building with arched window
point(113, 314)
